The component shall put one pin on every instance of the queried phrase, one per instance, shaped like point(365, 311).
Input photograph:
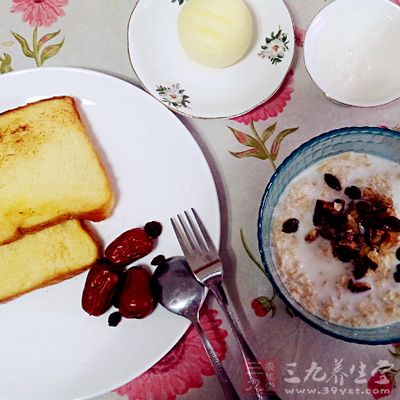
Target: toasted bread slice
point(46, 257)
point(49, 170)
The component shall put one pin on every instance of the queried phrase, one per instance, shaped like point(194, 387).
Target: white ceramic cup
point(352, 51)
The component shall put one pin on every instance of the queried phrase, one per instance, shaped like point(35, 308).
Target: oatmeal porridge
point(335, 234)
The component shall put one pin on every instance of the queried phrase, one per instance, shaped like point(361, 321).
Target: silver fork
point(203, 258)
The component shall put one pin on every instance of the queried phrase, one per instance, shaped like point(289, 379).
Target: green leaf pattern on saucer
point(275, 47)
point(173, 95)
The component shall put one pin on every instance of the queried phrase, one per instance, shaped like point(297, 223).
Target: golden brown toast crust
point(94, 215)
point(63, 277)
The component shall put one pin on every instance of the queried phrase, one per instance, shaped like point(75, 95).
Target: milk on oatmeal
point(316, 278)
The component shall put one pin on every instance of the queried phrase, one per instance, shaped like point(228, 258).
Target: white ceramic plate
point(352, 51)
point(160, 63)
point(50, 348)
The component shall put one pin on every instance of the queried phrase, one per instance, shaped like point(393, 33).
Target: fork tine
point(200, 239)
point(189, 234)
point(203, 229)
point(181, 239)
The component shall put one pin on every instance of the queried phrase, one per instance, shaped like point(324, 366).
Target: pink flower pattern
point(396, 2)
point(299, 34)
point(39, 12)
point(182, 368)
point(381, 384)
point(273, 106)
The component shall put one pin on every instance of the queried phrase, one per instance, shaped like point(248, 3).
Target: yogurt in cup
point(352, 51)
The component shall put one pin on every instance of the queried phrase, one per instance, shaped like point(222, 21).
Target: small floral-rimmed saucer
point(201, 92)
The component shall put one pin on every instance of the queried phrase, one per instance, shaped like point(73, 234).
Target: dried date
point(133, 244)
point(136, 299)
point(100, 287)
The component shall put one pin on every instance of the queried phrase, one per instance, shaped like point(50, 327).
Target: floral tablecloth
point(301, 362)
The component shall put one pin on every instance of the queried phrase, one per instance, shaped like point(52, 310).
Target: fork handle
point(257, 376)
point(227, 386)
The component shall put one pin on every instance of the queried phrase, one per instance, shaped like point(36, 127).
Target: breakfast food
point(133, 244)
point(136, 299)
point(215, 33)
point(45, 257)
point(49, 170)
point(100, 287)
point(335, 234)
point(110, 284)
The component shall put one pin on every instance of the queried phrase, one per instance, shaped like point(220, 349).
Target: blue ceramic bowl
point(376, 141)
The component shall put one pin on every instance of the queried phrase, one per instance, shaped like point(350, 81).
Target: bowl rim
point(294, 154)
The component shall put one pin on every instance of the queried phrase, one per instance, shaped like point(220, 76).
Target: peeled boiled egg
point(215, 33)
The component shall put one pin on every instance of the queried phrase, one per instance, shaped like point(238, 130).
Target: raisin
point(344, 253)
point(353, 192)
point(380, 207)
point(338, 221)
point(326, 234)
point(324, 211)
point(318, 213)
point(398, 253)
point(332, 182)
point(114, 319)
point(374, 223)
point(393, 223)
point(153, 229)
point(157, 260)
point(371, 263)
point(358, 287)
point(396, 276)
point(290, 226)
point(351, 206)
point(398, 268)
point(363, 207)
point(360, 269)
